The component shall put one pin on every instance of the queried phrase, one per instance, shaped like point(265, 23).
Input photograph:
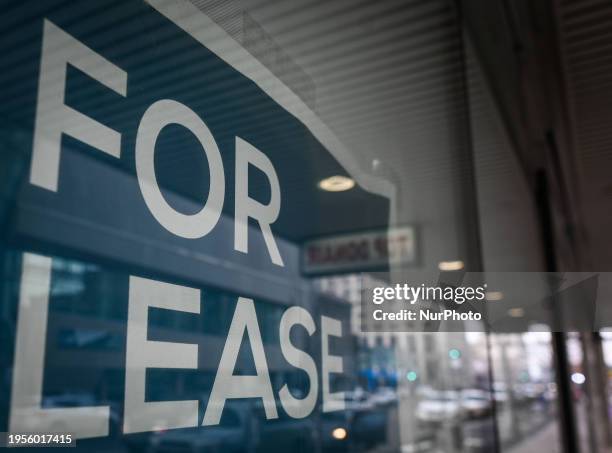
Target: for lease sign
point(115, 91)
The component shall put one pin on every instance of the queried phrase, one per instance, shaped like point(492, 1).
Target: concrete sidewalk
point(545, 440)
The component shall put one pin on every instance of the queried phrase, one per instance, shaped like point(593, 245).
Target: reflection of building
point(237, 22)
point(410, 351)
point(87, 329)
point(522, 357)
point(110, 226)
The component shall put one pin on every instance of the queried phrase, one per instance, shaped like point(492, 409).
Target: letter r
point(266, 215)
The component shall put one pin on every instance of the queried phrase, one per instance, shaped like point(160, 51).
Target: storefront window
point(196, 199)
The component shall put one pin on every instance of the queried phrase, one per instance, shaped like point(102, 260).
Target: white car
point(439, 407)
point(475, 403)
point(384, 396)
point(500, 393)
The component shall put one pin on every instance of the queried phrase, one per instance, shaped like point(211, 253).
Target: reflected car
point(439, 406)
point(356, 399)
point(500, 393)
point(475, 403)
point(529, 392)
point(361, 423)
point(336, 431)
point(243, 428)
point(283, 434)
point(384, 396)
point(230, 436)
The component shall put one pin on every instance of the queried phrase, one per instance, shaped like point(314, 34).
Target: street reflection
point(437, 387)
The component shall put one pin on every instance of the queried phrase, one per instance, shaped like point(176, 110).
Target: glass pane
point(196, 199)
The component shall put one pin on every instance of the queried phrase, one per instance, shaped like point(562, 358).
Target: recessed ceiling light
point(336, 183)
point(494, 295)
point(450, 265)
point(339, 433)
point(516, 312)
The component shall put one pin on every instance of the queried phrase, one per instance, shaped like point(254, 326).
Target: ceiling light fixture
point(450, 265)
point(494, 295)
point(516, 312)
point(336, 183)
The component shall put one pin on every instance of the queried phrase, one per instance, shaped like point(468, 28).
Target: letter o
point(159, 115)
